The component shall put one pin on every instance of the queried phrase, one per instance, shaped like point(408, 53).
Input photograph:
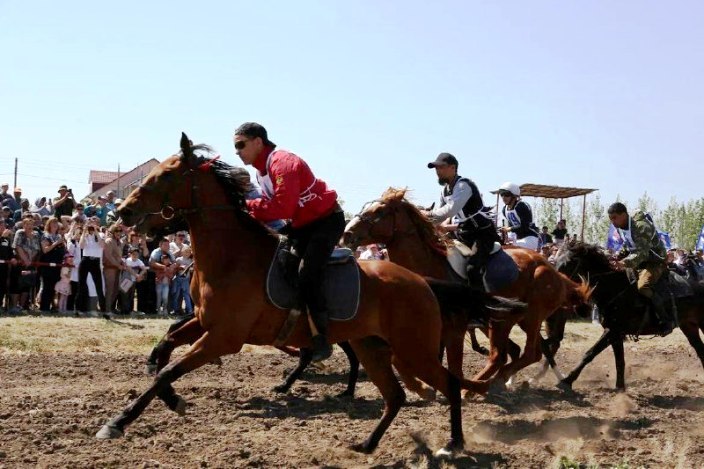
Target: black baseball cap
point(254, 130)
point(444, 159)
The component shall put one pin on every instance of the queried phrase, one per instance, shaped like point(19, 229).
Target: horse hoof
point(428, 394)
point(362, 448)
point(150, 369)
point(525, 385)
point(346, 395)
point(497, 387)
point(620, 389)
point(217, 361)
point(180, 407)
point(281, 389)
point(483, 351)
point(564, 386)
point(108, 432)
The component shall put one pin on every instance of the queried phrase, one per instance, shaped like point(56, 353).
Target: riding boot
point(322, 350)
point(665, 321)
point(475, 277)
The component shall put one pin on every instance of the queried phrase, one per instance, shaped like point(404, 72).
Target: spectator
point(110, 203)
point(53, 250)
point(560, 232)
point(63, 286)
point(112, 216)
point(27, 248)
point(112, 266)
point(178, 244)
point(138, 272)
point(73, 249)
point(78, 214)
point(545, 250)
point(7, 255)
point(544, 237)
point(3, 192)
point(14, 202)
point(163, 264)
point(92, 245)
point(98, 210)
point(7, 217)
point(24, 208)
point(64, 203)
point(146, 290)
point(41, 207)
point(181, 284)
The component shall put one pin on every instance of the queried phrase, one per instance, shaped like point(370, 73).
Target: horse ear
point(186, 149)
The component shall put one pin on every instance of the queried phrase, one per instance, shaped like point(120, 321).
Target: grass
point(567, 463)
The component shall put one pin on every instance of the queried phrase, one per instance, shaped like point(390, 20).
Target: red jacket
point(293, 192)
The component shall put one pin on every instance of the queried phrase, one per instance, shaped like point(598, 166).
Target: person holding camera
point(23, 278)
point(64, 203)
point(53, 251)
point(92, 245)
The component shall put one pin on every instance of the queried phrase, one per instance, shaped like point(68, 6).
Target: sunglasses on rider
point(241, 144)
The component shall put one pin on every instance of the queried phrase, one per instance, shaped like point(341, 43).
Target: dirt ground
point(61, 379)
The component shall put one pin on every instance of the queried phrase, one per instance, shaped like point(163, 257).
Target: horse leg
point(447, 383)
point(498, 338)
point(304, 358)
point(617, 347)
point(597, 348)
point(555, 330)
point(354, 370)
point(475, 344)
point(691, 331)
point(180, 333)
point(375, 356)
point(531, 354)
point(203, 351)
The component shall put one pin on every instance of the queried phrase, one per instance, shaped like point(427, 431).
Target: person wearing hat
point(14, 202)
point(462, 212)
point(519, 217)
point(7, 217)
point(290, 191)
point(24, 208)
point(64, 203)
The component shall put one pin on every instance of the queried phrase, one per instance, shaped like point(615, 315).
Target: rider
point(462, 211)
point(292, 192)
point(519, 217)
point(644, 252)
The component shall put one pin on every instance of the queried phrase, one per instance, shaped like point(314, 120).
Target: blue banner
point(700, 241)
point(614, 242)
point(665, 238)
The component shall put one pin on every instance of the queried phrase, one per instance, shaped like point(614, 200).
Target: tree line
point(682, 220)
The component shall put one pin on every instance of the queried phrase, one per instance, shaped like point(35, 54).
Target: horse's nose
point(125, 213)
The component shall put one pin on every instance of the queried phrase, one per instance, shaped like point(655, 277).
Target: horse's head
point(581, 259)
point(384, 219)
point(176, 188)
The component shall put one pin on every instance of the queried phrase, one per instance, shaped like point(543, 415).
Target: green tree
point(596, 226)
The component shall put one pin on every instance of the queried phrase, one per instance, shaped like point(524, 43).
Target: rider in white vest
point(519, 217)
point(461, 212)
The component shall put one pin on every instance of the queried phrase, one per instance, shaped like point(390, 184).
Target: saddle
point(341, 283)
point(500, 270)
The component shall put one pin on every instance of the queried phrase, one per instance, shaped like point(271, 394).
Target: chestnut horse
point(413, 242)
point(233, 309)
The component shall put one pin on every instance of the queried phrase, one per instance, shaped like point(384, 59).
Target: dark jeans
point(49, 275)
point(4, 282)
point(89, 265)
point(314, 244)
point(71, 300)
point(146, 294)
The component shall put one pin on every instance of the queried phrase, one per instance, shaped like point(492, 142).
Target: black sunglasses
point(241, 144)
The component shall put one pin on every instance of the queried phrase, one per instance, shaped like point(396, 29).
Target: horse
point(233, 308)
point(412, 241)
point(623, 311)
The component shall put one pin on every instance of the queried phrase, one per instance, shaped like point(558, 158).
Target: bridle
point(371, 220)
point(168, 212)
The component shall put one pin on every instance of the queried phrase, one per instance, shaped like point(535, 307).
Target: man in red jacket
point(291, 192)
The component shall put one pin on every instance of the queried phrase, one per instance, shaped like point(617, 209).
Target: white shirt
point(92, 247)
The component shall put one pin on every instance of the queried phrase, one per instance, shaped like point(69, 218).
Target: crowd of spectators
point(61, 255)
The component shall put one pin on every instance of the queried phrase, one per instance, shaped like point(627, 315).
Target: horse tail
point(456, 297)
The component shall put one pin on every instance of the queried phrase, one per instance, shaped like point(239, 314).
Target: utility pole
point(15, 184)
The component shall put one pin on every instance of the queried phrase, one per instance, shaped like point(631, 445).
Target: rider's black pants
point(314, 243)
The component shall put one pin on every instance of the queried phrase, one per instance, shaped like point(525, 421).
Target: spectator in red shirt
point(290, 191)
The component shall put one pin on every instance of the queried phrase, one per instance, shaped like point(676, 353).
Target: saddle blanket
point(500, 270)
point(340, 282)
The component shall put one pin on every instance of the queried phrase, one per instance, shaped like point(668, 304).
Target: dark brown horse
point(412, 241)
point(622, 308)
point(233, 308)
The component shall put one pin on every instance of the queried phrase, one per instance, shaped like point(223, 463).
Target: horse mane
point(234, 180)
point(426, 230)
point(591, 252)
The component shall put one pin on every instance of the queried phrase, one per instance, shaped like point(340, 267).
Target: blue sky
point(592, 94)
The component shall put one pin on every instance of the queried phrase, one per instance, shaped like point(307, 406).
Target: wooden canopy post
point(584, 216)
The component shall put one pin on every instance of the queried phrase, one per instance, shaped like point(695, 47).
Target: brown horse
point(413, 242)
point(233, 308)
